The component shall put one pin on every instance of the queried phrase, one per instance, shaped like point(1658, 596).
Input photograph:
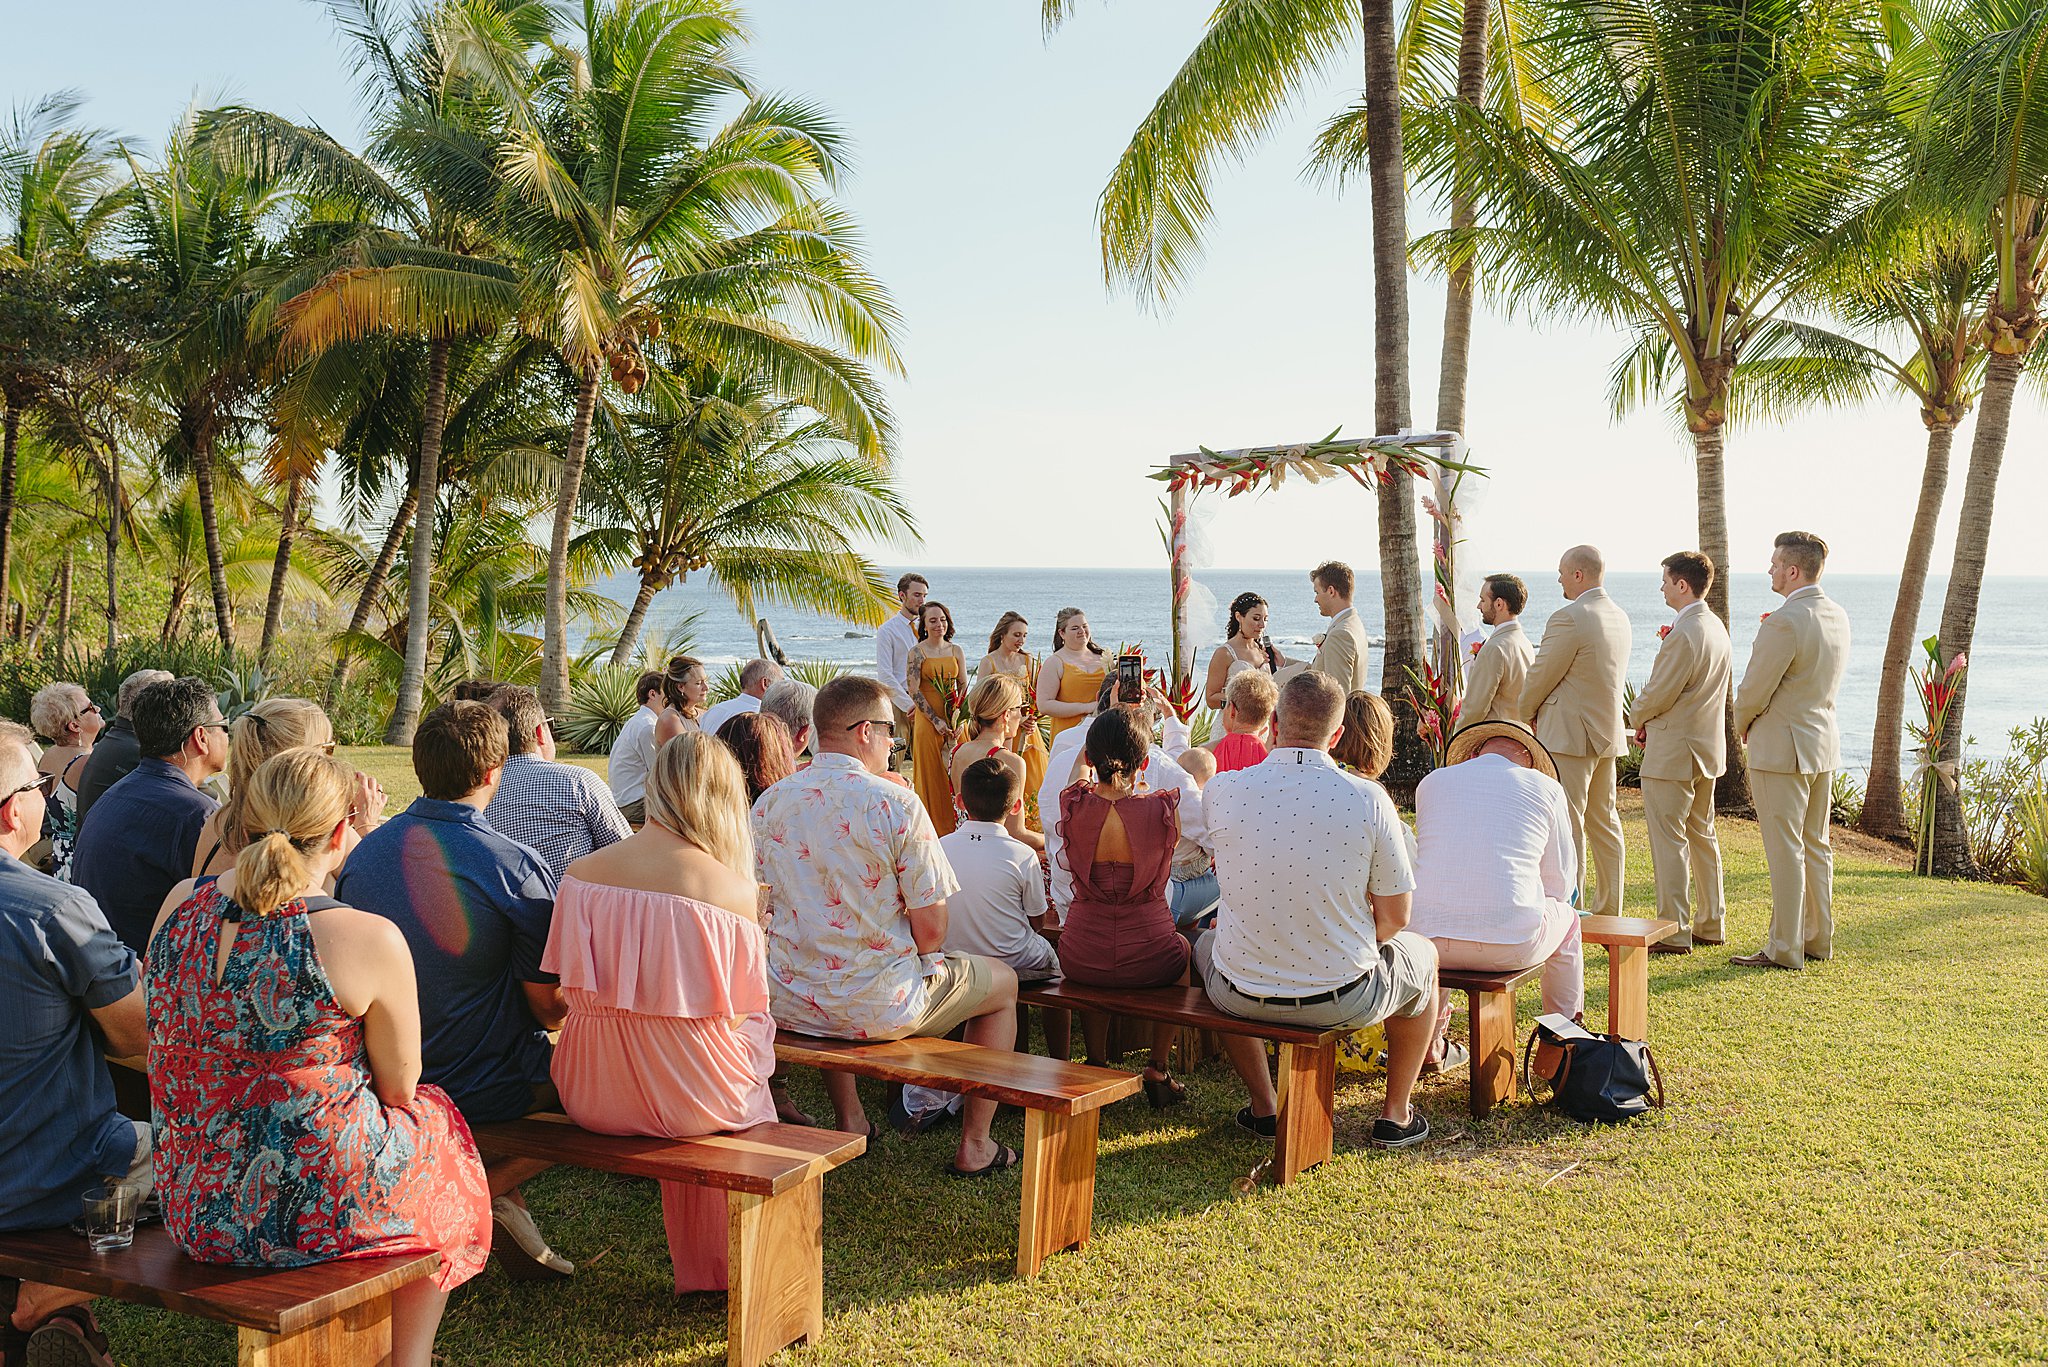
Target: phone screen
point(1130, 678)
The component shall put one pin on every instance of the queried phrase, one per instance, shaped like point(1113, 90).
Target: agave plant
point(600, 704)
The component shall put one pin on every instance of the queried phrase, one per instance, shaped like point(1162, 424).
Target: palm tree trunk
point(113, 548)
point(554, 650)
point(201, 447)
point(412, 681)
point(1709, 445)
point(1400, 565)
point(636, 622)
point(10, 434)
point(64, 600)
point(287, 533)
point(35, 631)
point(373, 584)
point(1458, 295)
point(174, 615)
point(1952, 855)
point(1884, 808)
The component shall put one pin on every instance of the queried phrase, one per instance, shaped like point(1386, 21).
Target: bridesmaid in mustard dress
point(1072, 675)
point(935, 662)
point(1006, 656)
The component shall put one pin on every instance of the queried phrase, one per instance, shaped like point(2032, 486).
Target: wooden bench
point(1490, 1027)
point(334, 1314)
point(773, 1177)
point(1062, 1105)
point(1308, 1057)
point(1628, 940)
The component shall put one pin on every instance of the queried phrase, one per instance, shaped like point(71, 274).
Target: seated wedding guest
point(857, 913)
point(473, 690)
point(657, 940)
point(138, 841)
point(284, 1066)
point(1191, 893)
point(626, 770)
point(1247, 721)
point(995, 720)
point(1493, 886)
point(760, 743)
point(560, 811)
point(1117, 847)
point(117, 751)
point(62, 714)
point(474, 904)
point(1313, 926)
point(268, 728)
point(686, 688)
point(65, 981)
point(756, 678)
point(1245, 649)
point(790, 703)
point(1367, 746)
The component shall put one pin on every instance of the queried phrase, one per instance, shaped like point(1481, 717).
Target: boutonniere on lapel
point(1663, 631)
point(1763, 617)
point(1476, 646)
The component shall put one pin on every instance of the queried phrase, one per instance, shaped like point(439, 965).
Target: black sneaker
point(1264, 1126)
point(1388, 1135)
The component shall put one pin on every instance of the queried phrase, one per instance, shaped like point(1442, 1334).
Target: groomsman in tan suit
point(1573, 698)
point(1493, 681)
point(1785, 714)
point(1680, 719)
point(1342, 653)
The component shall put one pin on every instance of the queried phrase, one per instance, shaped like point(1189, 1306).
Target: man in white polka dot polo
point(1312, 928)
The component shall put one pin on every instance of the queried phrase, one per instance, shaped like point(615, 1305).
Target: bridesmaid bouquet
point(953, 697)
point(1033, 719)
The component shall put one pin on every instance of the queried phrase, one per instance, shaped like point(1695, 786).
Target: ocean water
point(2008, 675)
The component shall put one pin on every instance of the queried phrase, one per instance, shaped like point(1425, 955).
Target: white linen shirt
point(626, 770)
point(845, 854)
point(1162, 770)
point(1497, 852)
point(1300, 847)
point(893, 640)
point(727, 710)
point(1001, 889)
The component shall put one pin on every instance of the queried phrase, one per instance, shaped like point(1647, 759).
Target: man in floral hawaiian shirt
point(857, 889)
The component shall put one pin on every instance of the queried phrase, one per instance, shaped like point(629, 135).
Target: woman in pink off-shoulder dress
point(658, 944)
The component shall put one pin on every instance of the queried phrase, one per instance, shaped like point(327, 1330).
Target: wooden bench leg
point(1492, 1023)
point(1308, 1109)
point(1059, 1186)
point(776, 1266)
point(1628, 991)
point(359, 1336)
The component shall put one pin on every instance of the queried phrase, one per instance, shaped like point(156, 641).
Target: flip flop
point(1005, 1159)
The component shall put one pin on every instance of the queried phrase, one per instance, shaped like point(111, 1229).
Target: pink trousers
point(1556, 946)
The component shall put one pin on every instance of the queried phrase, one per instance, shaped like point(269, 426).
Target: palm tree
point(717, 475)
point(639, 217)
point(1691, 201)
point(1988, 150)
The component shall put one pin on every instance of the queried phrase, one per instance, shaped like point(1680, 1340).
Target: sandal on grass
point(69, 1338)
point(1005, 1159)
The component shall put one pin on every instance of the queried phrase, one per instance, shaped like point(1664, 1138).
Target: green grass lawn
point(1851, 1170)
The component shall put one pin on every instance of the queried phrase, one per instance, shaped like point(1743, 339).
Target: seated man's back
point(1002, 889)
point(560, 811)
point(1496, 846)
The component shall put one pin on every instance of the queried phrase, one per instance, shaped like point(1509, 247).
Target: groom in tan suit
point(1342, 653)
point(1679, 717)
point(1573, 698)
point(1785, 714)
point(1493, 682)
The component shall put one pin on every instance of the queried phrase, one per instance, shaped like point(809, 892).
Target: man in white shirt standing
point(1312, 930)
point(626, 771)
point(756, 678)
point(1497, 863)
point(893, 642)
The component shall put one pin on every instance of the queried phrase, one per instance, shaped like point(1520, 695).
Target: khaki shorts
point(956, 994)
point(1402, 983)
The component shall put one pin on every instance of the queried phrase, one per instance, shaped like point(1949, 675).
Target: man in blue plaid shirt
point(561, 811)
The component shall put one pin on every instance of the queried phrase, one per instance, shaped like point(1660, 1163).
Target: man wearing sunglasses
point(62, 972)
point(138, 841)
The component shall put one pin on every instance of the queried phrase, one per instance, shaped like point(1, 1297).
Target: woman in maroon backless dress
point(1118, 844)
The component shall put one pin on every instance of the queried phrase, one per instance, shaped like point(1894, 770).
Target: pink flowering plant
point(1436, 705)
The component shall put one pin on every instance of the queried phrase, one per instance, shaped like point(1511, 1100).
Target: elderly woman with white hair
point(789, 700)
point(65, 716)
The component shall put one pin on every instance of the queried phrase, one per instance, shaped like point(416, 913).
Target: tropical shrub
point(1628, 766)
point(1995, 791)
point(1845, 799)
point(2030, 842)
point(600, 705)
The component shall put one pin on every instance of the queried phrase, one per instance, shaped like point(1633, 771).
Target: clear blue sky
point(1035, 401)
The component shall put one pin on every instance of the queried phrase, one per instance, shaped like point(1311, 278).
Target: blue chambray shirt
point(137, 843)
point(59, 1130)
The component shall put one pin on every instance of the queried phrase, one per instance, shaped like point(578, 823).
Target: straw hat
point(1466, 740)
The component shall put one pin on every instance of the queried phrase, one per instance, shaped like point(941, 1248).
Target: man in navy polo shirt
point(475, 905)
point(62, 973)
point(137, 842)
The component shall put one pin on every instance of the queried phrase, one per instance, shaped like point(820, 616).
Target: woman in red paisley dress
point(284, 1063)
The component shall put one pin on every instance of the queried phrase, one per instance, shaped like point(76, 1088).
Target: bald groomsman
point(1680, 717)
point(1785, 714)
point(1573, 699)
point(1493, 683)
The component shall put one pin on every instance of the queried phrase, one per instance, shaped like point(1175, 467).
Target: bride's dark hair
point(1239, 606)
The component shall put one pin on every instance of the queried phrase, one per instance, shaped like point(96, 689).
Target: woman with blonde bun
point(995, 721)
point(268, 728)
point(284, 1063)
point(658, 944)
